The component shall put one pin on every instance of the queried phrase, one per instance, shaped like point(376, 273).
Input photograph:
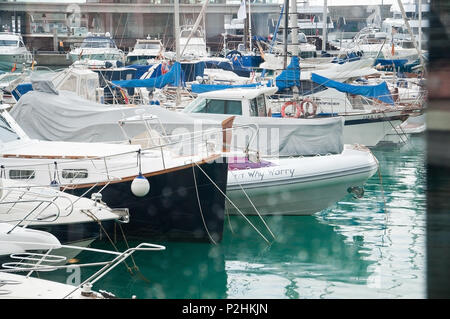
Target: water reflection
point(373, 247)
point(304, 249)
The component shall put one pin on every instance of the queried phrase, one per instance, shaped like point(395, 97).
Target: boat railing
point(19, 199)
point(331, 105)
point(209, 139)
point(31, 262)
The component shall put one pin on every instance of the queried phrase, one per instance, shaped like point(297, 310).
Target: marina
point(214, 150)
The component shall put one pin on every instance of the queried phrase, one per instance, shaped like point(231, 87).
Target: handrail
point(107, 265)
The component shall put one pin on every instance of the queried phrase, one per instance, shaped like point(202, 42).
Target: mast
point(286, 23)
point(294, 28)
point(177, 42)
point(420, 25)
point(324, 26)
point(402, 9)
point(250, 24)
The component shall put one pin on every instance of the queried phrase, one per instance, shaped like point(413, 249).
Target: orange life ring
point(299, 109)
point(304, 106)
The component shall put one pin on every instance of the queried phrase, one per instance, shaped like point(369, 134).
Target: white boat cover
point(275, 137)
point(44, 115)
point(65, 116)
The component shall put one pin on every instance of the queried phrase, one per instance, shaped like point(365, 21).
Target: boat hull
point(295, 188)
point(370, 129)
point(10, 61)
point(171, 210)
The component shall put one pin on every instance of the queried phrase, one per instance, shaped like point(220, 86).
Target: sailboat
point(155, 184)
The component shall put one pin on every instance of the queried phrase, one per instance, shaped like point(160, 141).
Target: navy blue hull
point(170, 211)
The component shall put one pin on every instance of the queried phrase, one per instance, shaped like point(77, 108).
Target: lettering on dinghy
point(259, 175)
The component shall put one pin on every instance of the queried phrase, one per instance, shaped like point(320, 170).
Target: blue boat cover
point(290, 76)
point(202, 88)
point(352, 56)
point(140, 69)
point(237, 68)
point(380, 92)
point(21, 89)
point(173, 77)
point(397, 62)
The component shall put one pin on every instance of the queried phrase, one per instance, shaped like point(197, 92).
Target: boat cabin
point(236, 101)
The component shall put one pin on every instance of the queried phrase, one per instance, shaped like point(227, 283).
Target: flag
point(242, 12)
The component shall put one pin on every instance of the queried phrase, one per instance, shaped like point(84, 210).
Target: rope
point(233, 204)
point(256, 210)
point(132, 258)
point(200, 206)
point(88, 213)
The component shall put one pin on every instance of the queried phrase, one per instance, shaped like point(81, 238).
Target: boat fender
point(140, 186)
point(305, 106)
point(299, 109)
point(54, 184)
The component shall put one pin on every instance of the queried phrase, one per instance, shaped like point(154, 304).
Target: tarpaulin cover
point(397, 63)
point(276, 136)
point(141, 69)
point(290, 76)
point(191, 70)
point(228, 66)
point(65, 116)
point(173, 77)
point(380, 92)
point(21, 89)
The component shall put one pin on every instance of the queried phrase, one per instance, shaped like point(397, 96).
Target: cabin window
point(21, 174)
point(215, 106)
point(223, 107)
point(258, 106)
point(74, 173)
point(234, 108)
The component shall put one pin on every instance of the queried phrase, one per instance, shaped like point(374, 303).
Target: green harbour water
point(372, 247)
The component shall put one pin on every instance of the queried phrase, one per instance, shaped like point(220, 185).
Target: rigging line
point(90, 214)
point(243, 215)
point(229, 220)
point(132, 258)
point(395, 130)
point(200, 206)
point(256, 210)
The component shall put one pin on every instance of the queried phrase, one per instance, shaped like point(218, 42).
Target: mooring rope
point(256, 210)
point(200, 207)
point(233, 204)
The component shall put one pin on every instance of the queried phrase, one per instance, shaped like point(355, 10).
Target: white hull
point(370, 133)
point(300, 186)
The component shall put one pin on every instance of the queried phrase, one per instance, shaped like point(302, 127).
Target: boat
point(155, 184)
point(97, 47)
point(73, 220)
point(301, 185)
point(33, 252)
point(13, 53)
point(145, 49)
point(361, 126)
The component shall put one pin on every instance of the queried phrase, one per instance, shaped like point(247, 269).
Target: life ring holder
point(304, 107)
point(299, 109)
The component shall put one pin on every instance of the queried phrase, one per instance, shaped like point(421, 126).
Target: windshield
point(195, 106)
point(7, 134)
point(152, 46)
point(98, 43)
point(8, 43)
point(213, 106)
